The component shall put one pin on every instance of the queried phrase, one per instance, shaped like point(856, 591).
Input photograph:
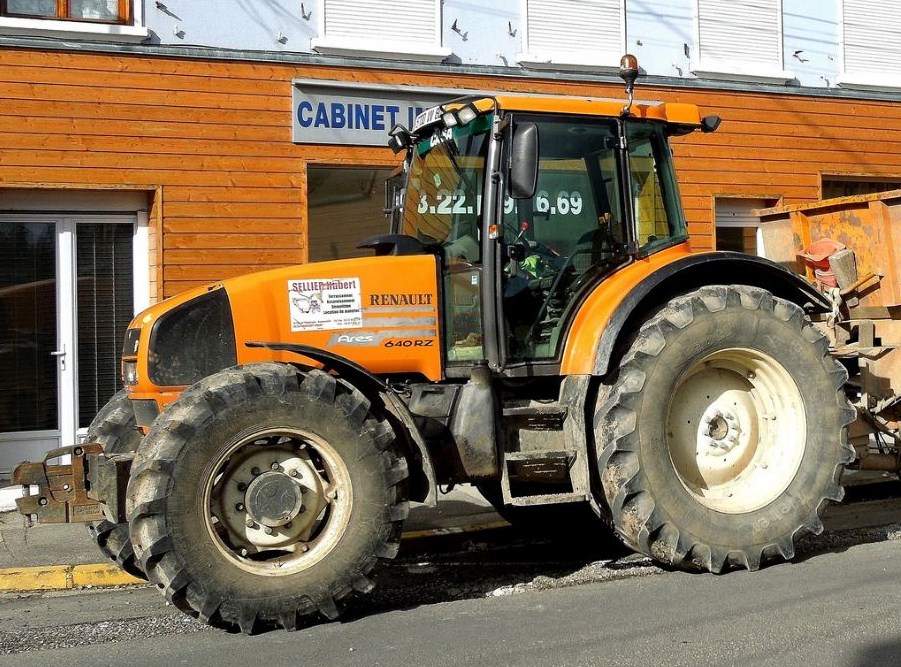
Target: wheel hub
point(274, 499)
point(270, 499)
point(722, 430)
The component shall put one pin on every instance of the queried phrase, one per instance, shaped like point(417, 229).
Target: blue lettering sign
point(378, 116)
point(338, 118)
point(353, 115)
point(304, 120)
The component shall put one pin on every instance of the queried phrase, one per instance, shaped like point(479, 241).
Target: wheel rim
point(736, 430)
point(277, 501)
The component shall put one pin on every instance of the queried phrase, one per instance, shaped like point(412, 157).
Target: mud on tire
point(115, 428)
point(723, 433)
point(200, 498)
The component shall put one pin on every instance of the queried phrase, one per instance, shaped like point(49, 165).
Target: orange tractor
point(534, 324)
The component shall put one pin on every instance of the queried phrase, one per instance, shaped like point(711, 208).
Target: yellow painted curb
point(62, 577)
point(51, 577)
point(102, 575)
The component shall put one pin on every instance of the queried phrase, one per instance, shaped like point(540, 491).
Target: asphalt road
point(501, 601)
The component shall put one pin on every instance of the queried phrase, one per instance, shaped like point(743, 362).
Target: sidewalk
point(59, 556)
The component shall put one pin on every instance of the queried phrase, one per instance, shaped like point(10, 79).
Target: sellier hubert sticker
point(320, 304)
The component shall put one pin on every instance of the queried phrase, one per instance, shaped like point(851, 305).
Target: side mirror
point(710, 123)
point(524, 161)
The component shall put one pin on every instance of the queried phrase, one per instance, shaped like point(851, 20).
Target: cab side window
point(657, 216)
point(572, 225)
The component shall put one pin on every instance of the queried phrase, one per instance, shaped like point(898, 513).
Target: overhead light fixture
point(399, 139)
point(467, 113)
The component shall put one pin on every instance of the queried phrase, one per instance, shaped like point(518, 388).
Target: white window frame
point(565, 60)
point(862, 80)
point(353, 47)
point(736, 70)
point(87, 30)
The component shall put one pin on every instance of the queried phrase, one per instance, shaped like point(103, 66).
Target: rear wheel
point(723, 433)
point(115, 428)
point(264, 496)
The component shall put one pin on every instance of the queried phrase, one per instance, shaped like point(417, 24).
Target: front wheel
point(723, 433)
point(265, 495)
point(115, 428)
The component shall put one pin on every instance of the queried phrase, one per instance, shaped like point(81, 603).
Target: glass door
point(28, 335)
point(67, 294)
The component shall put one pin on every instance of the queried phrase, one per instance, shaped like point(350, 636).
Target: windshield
point(444, 189)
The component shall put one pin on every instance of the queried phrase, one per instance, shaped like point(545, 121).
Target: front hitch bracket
point(88, 488)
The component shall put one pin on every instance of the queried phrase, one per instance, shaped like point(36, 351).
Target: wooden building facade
point(189, 169)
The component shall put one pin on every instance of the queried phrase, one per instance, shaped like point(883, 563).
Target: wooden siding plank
point(233, 241)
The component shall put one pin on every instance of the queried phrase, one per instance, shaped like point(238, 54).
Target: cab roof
point(668, 112)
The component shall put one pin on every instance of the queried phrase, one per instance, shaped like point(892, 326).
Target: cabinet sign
point(357, 115)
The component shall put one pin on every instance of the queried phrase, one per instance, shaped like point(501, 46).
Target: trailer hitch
point(89, 488)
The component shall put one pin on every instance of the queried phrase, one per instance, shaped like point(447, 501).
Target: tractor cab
point(576, 189)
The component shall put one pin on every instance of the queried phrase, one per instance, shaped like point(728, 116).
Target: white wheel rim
point(316, 516)
point(736, 430)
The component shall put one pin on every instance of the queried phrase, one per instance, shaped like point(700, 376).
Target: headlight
point(130, 372)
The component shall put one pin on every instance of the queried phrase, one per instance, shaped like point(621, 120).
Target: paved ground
point(64, 546)
point(60, 556)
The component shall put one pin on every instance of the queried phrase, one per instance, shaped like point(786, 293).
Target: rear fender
point(619, 305)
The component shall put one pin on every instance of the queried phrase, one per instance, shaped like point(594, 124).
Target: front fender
point(423, 481)
point(619, 305)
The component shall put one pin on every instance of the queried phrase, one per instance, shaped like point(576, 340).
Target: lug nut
point(250, 523)
point(240, 507)
point(305, 548)
point(293, 472)
point(274, 465)
point(267, 530)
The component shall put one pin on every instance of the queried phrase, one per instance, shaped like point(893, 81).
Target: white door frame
point(33, 443)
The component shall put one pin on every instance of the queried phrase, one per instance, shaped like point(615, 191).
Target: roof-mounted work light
point(628, 72)
point(399, 139)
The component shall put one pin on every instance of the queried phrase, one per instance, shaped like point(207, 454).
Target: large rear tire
point(115, 428)
point(264, 496)
point(723, 434)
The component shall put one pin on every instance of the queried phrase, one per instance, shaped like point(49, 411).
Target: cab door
point(570, 231)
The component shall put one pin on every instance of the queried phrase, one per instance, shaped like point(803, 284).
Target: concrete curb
point(106, 575)
point(63, 577)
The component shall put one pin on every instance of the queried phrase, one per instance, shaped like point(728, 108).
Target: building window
point(739, 40)
point(102, 11)
point(738, 227)
point(345, 205)
point(573, 34)
point(871, 44)
point(848, 186)
point(107, 20)
point(408, 30)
